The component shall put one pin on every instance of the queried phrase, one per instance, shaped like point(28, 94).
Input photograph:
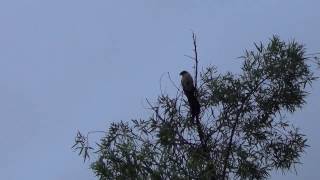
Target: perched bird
point(190, 91)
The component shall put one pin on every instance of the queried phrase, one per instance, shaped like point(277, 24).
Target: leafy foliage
point(246, 134)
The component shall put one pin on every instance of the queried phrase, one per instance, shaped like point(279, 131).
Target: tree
point(241, 132)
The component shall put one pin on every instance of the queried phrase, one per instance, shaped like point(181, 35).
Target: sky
point(68, 65)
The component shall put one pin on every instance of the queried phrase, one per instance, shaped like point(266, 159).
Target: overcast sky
point(68, 65)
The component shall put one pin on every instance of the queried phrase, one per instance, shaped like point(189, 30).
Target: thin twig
point(173, 83)
point(160, 82)
point(239, 112)
point(194, 37)
point(93, 132)
point(190, 57)
point(312, 54)
point(155, 109)
point(198, 123)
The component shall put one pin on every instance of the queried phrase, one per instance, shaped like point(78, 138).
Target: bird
point(190, 91)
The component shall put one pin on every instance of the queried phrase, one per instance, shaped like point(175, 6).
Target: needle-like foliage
point(245, 132)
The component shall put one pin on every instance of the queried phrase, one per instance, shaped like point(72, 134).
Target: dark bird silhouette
point(190, 91)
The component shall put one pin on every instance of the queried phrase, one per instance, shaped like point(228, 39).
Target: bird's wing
point(187, 82)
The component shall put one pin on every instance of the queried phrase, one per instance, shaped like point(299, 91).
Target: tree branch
point(225, 164)
point(198, 123)
point(194, 38)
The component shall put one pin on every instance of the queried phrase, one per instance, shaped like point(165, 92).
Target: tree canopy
point(241, 133)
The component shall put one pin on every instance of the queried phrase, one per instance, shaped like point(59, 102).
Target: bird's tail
point(194, 104)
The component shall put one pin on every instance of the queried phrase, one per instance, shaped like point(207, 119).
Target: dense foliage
point(242, 131)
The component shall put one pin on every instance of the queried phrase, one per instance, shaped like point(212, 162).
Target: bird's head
point(183, 73)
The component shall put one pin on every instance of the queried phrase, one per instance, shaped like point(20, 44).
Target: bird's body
point(190, 91)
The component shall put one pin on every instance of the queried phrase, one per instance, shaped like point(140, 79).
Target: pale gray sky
point(67, 65)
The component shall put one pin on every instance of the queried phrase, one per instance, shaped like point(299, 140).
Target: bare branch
point(194, 38)
point(178, 89)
